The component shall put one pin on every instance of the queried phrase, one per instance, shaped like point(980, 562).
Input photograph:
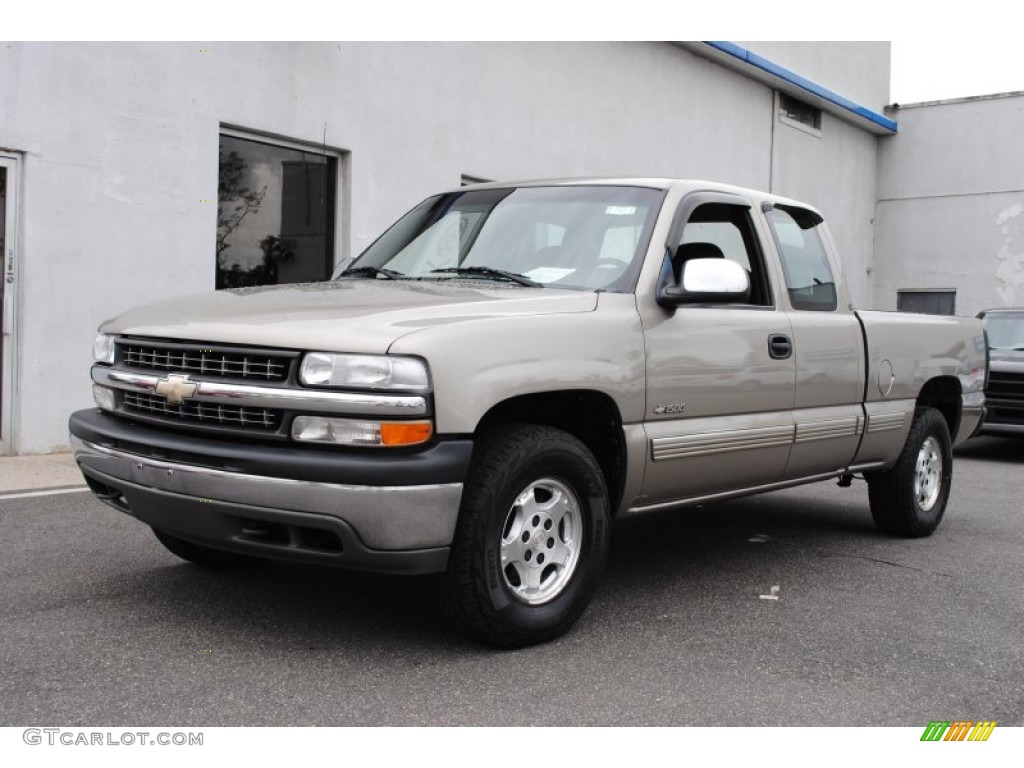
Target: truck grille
point(229, 362)
point(234, 416)
point(1005, 386)
point(1004, 397)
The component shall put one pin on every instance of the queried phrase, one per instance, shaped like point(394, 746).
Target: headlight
point(103, 348)
point(357, 432)
point(322, 369)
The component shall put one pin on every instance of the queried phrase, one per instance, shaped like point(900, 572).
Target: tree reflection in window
point(275, 220)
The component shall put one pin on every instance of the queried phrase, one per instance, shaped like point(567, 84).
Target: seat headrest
point(688, 251)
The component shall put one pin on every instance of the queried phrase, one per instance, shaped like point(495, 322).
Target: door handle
point(780, 346)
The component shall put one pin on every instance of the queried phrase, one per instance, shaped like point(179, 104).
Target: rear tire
point(205, 557)
point(531, 540)
point(909, 498)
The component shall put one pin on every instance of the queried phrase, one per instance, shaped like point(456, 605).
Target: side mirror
point(706, 281)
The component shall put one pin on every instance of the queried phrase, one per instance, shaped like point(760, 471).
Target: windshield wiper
point(389, 274)
point(492, 272)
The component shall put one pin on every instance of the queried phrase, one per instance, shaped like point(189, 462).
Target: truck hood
point(342, 316)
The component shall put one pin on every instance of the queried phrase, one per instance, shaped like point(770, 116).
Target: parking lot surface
point(99, 625)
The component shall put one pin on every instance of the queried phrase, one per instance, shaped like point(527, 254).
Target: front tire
point(532, 537)
point(909, 498)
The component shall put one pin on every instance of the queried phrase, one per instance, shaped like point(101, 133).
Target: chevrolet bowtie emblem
point(176, 388)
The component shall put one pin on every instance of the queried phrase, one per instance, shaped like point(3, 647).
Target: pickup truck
point(506, 370)
point(1004, 392)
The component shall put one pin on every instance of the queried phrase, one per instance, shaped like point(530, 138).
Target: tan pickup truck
point(507, 369)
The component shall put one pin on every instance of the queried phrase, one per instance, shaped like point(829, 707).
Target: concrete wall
point(836, 172)
point(120, 156)
point(951, 203)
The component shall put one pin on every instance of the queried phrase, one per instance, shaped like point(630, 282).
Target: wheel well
point(943, 394)
point(591, 417)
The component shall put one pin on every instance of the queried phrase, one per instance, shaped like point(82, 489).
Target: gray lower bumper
point(368, 519)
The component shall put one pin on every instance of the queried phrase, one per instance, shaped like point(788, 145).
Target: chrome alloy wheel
point(540, 543)
point(928, 474)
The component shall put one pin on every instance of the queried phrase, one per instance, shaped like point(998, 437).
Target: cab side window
point(809, 277)
point(723, 231)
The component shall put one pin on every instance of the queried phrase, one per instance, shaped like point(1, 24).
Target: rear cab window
point(809, 279)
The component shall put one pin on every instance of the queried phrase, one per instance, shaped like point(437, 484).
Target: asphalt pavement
point(99, 625)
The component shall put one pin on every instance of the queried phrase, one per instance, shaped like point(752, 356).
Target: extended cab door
point(720, 376)
point(828, 345)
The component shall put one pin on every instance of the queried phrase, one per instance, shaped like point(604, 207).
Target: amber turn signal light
point(396, 433)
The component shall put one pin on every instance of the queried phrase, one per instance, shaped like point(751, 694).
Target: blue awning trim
point(748, 56)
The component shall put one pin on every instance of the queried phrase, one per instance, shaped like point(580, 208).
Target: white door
point(8, 291)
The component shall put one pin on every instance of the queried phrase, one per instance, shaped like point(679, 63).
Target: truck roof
point(654, 182)
point(1001, 311)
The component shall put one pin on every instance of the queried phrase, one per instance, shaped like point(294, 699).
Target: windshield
point(1004, 331)
point(576, 237)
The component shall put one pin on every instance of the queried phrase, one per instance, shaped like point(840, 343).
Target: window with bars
point(797, 111)
point(927, 302)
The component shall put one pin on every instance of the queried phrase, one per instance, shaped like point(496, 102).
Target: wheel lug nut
point(526, 537)
point(551, 543)
point(529, 555)
point(540, 558)
point(547, 525)
point(536, 520)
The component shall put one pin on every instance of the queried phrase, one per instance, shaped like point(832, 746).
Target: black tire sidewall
point(934, 426)
point(894, 505)
point(581, 474)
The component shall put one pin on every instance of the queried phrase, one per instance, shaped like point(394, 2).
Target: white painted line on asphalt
point(30, 494)
point(774, 594)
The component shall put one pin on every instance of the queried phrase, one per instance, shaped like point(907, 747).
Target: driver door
point(720, 382)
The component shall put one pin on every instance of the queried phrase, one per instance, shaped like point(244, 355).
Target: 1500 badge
point(670, 408)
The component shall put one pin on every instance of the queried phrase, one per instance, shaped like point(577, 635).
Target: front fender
point(479, 363)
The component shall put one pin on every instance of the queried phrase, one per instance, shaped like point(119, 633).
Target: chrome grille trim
point(251, 396)
point(227, 362)
point(203, 413)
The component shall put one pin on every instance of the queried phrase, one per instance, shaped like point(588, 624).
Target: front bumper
point(375, 512)
point(996, 428)
point(1004, 416)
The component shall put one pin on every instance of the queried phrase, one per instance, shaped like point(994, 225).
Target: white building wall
point(120, 149)
point(950, 213)
point(836, 172)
